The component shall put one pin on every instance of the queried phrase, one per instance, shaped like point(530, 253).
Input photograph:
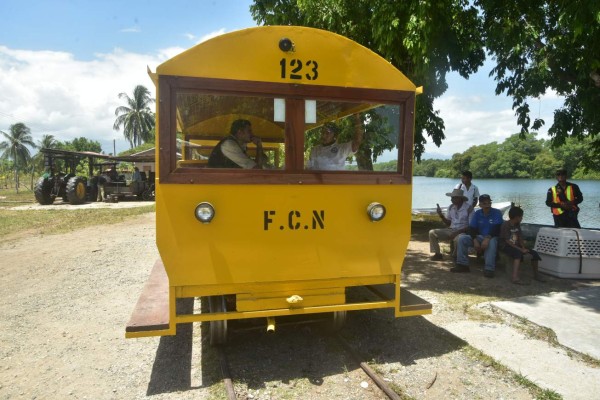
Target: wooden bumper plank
point(152, 309)
point(411, 302)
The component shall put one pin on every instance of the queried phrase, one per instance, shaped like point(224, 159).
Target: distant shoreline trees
point(516, 157)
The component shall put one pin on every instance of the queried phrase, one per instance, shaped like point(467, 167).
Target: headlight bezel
point(204, 212)
point(376, 211)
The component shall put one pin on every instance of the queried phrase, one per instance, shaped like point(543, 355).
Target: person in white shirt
point(456, 221)
point(471, 191)
point(331, 155)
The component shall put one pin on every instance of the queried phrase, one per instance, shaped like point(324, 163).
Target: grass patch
point(535, 390)
point(15, 223)
point(10, 198)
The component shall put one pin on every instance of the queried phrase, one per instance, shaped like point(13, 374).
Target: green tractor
point(66, 185)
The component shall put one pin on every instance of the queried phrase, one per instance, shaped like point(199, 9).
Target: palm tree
point(15, 147)
point(136, 117)
point(47, 142)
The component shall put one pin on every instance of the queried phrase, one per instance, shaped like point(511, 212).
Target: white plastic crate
point(565, 251)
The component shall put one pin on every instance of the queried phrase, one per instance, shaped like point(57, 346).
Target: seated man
point(512, 243)
point(331, 155)
point(231, 151)
point(484, 229)
point(456, 221)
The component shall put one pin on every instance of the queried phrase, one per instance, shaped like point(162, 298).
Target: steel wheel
point(338, 320)
point(217, 329)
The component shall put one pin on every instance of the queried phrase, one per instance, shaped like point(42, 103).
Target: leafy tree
point(544, 164)
point(136, 118)
point(82, 144)
point(515, 157)
point(46, 142)
point(430, 167)
point(386, 166)
point(423, 39)
point(145, 146)
point(544, 45)
point(538, 46)
point(571, 154)
point(15, 147)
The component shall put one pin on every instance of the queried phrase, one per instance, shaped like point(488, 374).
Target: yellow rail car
point(287, 237)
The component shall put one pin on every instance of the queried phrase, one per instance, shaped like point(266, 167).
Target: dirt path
point(66, 299)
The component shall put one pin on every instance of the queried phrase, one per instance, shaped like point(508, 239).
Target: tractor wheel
point(43, 191)
point(76, 190)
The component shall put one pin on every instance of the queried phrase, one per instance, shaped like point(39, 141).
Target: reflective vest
point(555, 199)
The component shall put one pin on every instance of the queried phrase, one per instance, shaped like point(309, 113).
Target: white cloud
point(473, 120)
point(211, 35)
point(134, 29)
point(204, 38)
point(53, 93)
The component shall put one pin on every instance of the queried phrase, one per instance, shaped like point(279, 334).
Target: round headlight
point(204, 212)
point(376, 211)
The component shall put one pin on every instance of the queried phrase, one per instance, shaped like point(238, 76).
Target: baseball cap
point(484, 197)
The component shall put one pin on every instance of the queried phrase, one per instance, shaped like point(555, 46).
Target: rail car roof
point(253, 54)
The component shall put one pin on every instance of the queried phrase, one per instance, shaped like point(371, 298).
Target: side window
point(353, 137)
point(222, 131)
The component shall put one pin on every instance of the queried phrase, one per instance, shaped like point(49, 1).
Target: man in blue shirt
point(484, 229)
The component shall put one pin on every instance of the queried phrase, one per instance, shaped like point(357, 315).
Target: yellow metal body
point(281, 249)
point(249, 55)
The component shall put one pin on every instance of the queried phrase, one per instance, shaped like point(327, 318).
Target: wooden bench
point(151, 313)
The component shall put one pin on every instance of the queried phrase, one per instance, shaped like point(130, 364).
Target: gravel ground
point(67, 298)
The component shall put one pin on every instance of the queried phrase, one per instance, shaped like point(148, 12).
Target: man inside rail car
point(231, 151)
point(330, 155)
point(563, 200)
point(456, 221)
point(484, 229)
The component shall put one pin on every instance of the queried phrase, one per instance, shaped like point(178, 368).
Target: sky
point(63, 64)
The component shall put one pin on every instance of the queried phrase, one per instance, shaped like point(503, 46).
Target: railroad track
point(376, 378)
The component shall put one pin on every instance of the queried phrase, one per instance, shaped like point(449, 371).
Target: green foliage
point(544, 45)
point(519, 156)
point(136, 118)
point(14, 148)
point(430, 167)
point(423, 39)
point(140, 148)
point(81, 144)
point(539, 46)
point(389, 166)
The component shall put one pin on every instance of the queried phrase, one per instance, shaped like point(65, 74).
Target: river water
point(529, 194)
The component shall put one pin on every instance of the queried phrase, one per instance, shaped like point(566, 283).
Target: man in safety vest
point(563, 200)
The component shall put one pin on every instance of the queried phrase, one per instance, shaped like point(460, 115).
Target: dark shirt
point(219, 160)
point(510, 235)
